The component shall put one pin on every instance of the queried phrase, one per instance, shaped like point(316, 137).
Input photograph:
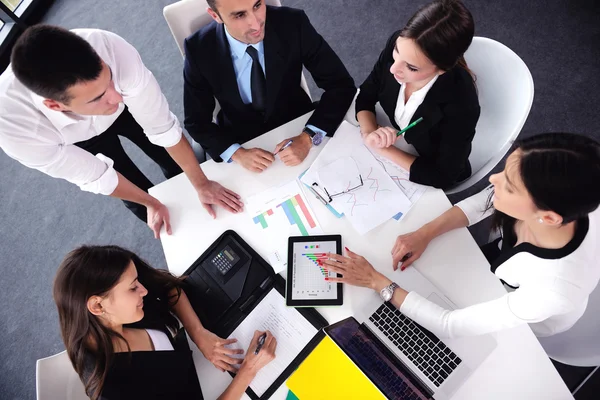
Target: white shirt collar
point(421, 93)
point(58, 118)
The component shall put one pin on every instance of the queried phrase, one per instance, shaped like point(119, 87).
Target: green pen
point(409, 126)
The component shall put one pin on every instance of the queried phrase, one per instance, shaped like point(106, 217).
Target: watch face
point(317, 139)
point(386, 294)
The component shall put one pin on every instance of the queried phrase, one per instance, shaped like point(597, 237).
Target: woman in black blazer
point(117, 321)
point(422, 66)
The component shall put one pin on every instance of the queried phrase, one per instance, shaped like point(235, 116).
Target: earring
point(541, 221)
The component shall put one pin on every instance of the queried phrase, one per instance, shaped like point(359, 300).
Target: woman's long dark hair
point(93, 271)
point(443, 30)
point(561, 172)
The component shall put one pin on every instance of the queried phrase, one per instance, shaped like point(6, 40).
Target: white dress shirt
point(552, 288)
point(405, 111)
point(44, 139)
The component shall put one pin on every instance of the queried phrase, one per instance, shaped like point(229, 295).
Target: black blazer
point(290, 42)
point(152, 375)
point(450, 112)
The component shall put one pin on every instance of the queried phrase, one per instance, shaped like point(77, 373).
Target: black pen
point(261, 342)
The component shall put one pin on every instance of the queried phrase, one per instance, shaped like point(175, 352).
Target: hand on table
point(295, 153)
point(157, 215)
point(409, 248)
point(384, 136)
point(255, 159)
point(212, 192)
point(254, 362)
point(214, 350)
point(355, 270)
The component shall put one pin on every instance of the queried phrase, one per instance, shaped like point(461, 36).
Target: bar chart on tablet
point(309, 273)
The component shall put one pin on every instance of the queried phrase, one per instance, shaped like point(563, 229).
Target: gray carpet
point(43, 218)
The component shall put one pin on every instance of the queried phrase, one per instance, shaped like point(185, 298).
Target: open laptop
point(401, 358)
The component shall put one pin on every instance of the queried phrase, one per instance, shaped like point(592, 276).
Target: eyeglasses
point(329, 196)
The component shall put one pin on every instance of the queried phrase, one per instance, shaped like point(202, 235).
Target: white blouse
point(160, 340)
point(404, 112)
point(552, 292)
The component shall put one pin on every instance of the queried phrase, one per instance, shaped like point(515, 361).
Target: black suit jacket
point(450, 112)
point(290, 42)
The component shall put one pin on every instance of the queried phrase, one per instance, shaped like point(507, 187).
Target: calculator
point(225, 260)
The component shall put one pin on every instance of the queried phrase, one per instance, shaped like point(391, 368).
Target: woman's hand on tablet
point(355, 270)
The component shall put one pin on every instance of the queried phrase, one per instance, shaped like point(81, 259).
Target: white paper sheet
point(400, 176)
point(278, 213)
point(376, 201)
point(288, 326)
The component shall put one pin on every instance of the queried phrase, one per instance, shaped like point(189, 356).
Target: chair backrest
point(56, 379)
point(187, 16)
point(505, 88)
point(580, 345)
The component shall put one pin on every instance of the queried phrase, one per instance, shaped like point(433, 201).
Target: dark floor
point(43, 218)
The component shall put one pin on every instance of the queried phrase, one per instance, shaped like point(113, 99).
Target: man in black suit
point(253, 69)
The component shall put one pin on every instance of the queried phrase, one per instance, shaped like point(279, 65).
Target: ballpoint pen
point(400, 133)
point(285, 146)
point(261, 342)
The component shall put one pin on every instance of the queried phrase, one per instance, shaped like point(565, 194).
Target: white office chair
point(56, 379)
point(505, 88)
point(580, 345)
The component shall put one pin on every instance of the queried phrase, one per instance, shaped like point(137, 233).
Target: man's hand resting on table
point(255, 159)
point(295, 153)
point(212, 193)
point(157, 215)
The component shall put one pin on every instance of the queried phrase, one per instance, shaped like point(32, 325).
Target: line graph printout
point(309, 274)
point(373, 202)
point(400, 176)
point(278, 213)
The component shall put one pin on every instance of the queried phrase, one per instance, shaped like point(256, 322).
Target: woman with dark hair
point(545, 204)
point(117, 319)
point(421, 73)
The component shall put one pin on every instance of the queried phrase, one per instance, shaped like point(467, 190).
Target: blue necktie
point(258, 83)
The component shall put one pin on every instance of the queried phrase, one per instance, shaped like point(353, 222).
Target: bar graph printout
point(281, 212)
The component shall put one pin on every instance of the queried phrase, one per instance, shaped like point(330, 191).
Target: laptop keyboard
point(423, 348)
point(393, 385)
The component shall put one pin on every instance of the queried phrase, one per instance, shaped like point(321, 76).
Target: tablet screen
point(309, 273)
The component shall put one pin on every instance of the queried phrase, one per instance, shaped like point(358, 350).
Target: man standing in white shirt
point(65, 98)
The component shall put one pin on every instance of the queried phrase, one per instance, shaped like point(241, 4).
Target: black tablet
point(307, 284)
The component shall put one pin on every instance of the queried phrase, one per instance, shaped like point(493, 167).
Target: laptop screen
point(376, 362)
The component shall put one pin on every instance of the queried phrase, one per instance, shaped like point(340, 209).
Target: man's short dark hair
point(213, 5)
point(48, 60)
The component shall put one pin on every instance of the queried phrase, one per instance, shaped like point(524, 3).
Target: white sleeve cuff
point(170, 137)
point(107, 182)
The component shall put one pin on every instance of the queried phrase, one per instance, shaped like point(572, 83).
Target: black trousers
point(108, 143)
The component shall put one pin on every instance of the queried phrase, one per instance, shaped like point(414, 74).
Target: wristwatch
point(316, 137)
point(387, 292)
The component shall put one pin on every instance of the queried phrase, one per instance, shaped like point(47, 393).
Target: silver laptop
point(440, 365)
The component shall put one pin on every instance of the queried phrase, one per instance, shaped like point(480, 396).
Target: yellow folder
point(328, 374)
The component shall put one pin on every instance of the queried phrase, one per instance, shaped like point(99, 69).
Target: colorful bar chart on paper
point(278, 213)
point(293, 208)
